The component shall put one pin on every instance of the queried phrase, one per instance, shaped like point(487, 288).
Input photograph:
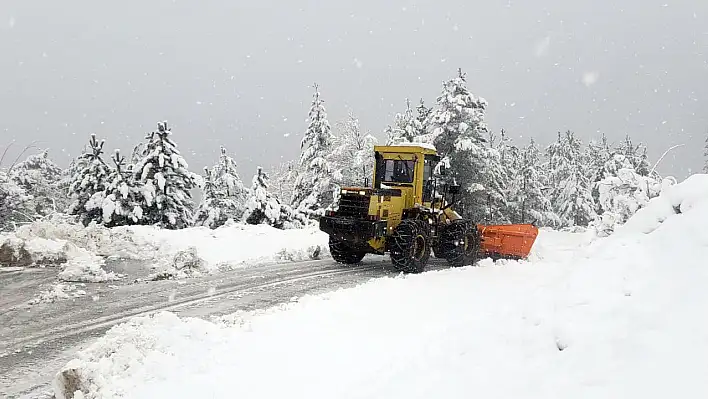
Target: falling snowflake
point(590, 78)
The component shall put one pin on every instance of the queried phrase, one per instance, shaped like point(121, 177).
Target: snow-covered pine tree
point(404, 127)
point(597, 154)
point(353, 154)
point(528, 201)
point(313, 190)
point(458, 131)
point(216, 206)
point(228, 181)
point(122, 205)
point(285, 175)
point(264, 208)
point(226, 175)
point(637, 155)
point(423, 117)
point(40, 178)
point(573, 200)
point(88, 183)
point(166, 181)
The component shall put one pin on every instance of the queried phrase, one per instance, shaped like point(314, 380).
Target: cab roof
point(408, 148)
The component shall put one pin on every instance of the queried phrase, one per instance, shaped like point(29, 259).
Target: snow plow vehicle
point(409, 213)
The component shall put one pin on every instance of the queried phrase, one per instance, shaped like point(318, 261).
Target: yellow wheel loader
point(408, 213)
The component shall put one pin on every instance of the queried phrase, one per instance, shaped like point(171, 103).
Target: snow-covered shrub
point(13, 199)
point(263, 208)
point(622, 192)
point(40, 178)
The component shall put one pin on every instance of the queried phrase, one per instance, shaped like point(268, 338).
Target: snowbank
point(623, 320)
point(81, 251)
point(206, 250)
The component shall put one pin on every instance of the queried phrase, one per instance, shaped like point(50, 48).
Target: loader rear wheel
point(343, 252)
point(410, 247)
point(460, 243)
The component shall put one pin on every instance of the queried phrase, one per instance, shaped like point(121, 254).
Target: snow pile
point(87, 268)
point(230, 246)
point(58, 291)
point(674, 199)
point(37, 251)
point(622, 320)
point(81, 249)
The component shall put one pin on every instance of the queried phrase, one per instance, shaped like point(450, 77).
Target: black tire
point(410, 247)
point(343, 252)
point(460, 242)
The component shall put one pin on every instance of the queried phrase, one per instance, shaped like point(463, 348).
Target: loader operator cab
point(408, 168)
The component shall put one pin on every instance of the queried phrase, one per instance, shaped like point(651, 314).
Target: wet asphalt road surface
point(37, 340)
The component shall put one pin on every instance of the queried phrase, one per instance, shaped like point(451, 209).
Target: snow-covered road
point(36, 341)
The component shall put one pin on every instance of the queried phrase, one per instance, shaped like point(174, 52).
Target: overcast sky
point(239, 73)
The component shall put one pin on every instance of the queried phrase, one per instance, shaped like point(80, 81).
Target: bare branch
point(27, 147)
point(2, 158)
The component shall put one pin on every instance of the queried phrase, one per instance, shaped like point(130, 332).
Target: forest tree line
point(563, 184)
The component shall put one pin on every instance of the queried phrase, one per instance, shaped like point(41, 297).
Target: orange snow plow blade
point(507, 241)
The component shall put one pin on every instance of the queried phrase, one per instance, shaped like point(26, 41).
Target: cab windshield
point(396, 170)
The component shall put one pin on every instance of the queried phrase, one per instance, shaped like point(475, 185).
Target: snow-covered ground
point(81, 252)
point(615, 317)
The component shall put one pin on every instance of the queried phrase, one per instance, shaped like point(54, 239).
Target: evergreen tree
point(313, 190)
point(458, 133)
point(286, 174)
point(166, 180)
point(404, 127)
point(423, 117)
point(40, 178)
point(216, 207)
point(573, 199)
point(636, 155)
point(353, 154)
point(263, 208)
point(88, 183)
point(597, 154)
point(122, 205)
point(495, 180)
point(527, 198)
point(226, 175)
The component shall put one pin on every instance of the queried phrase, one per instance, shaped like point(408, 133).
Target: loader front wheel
point(410, 247)
point(460, 243)
point(343, 252)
